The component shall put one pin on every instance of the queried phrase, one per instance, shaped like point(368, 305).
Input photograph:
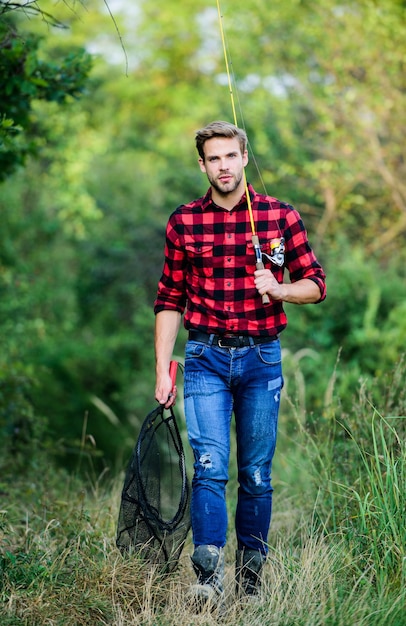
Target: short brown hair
point(220, 129)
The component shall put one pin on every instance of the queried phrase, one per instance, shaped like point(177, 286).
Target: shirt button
point(228, 284)
point(229, 259)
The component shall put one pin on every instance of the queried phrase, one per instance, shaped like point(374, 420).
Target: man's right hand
point(165, 391)
point(166, 329)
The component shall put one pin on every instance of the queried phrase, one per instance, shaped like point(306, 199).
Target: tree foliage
point(97, 150)
point(25, 79)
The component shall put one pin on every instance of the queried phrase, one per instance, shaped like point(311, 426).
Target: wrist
point(162, 367)
point(283, 295)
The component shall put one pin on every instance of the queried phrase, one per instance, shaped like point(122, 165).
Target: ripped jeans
point(217, 382)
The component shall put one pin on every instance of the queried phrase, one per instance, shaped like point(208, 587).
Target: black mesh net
point(154, 517)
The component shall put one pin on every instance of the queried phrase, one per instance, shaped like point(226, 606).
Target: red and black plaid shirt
point(210, 263)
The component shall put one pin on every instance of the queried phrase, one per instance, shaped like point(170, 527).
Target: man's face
point(224, 164)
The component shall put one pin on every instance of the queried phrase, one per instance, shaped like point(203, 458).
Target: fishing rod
point(254, 238)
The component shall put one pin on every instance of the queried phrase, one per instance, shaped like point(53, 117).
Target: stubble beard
point(227, 188)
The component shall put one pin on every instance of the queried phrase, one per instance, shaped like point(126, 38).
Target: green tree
point(324, 86)
point(82, 228)
point(25, 79)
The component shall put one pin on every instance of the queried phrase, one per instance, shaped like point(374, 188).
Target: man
point(233, 354)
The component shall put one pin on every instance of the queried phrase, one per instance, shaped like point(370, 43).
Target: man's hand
point(266, 282)
point(165, 393)
point(304, 291)
point(166, 330)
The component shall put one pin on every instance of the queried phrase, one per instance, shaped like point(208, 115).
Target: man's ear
point(202, 166)
point(245, 158)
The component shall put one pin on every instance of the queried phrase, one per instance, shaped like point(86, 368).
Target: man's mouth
point(225, 178)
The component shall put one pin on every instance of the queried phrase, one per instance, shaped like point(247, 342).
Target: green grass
point(336, 554)
point(64, 569)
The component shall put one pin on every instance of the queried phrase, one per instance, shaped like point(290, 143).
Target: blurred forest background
point(98, 108)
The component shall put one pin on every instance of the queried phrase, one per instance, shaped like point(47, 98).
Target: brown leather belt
point(230, 341)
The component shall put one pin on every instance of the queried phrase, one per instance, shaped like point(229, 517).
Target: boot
point(208, 564)
point(248, 568)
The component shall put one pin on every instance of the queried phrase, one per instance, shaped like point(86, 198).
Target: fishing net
point(154, 517)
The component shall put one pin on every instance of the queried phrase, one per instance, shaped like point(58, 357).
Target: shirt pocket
point(200, 257)
point(251, 264)
point(251, 259)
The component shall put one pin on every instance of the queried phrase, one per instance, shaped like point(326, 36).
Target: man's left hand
point(266, 282)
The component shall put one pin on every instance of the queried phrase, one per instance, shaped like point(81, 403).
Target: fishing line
point(254, 238)
point(229, 64)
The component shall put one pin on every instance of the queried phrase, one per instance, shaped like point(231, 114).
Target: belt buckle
point(231, 342)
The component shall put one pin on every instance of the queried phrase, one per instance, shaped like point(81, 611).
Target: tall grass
point(376, 522)
point(336, 552)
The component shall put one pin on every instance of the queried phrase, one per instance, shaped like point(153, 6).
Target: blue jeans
point(218, 381)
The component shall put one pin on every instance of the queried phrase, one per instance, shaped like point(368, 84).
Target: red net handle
point(173, 369)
